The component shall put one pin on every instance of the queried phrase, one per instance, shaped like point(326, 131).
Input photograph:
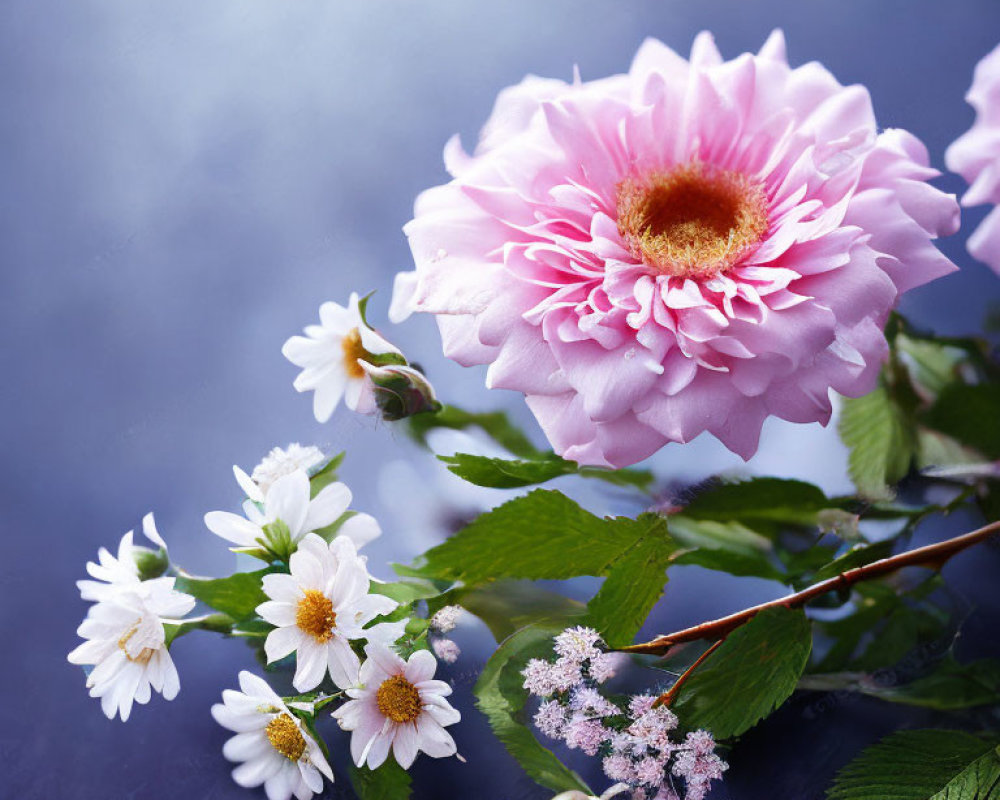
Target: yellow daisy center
point(315, 615)
point(398, 699)
point(353, 350)
point(143, 656)
point(693, 220)
point(285, 737)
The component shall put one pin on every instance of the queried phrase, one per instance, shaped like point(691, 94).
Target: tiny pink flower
point(619, 768)
point(585, 734)
point(577, 644)
point(602, 667)
point(649, 771)
point(639, 704)
point(446, 650)
point(551, 719)
point(591, 701)
point(699, 742)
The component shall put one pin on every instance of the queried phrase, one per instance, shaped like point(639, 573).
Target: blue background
point(181, 186)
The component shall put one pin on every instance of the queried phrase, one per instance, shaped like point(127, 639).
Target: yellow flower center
point(353, 350)
point(693, 220)
point(315, 615)
point(143, 656)
point(285, 737)
point(398, 699)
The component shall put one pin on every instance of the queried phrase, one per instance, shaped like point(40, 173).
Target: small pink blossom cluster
point(635, 744)
point(445, 621)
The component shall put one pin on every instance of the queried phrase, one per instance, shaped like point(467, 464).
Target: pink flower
point(976, 157)
point(398, 706)
point(586, 734)
point(551, 719)
point(692, 246)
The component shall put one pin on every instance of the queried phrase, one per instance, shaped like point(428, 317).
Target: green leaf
point(767, 500)
point(389, 782)
point(747, 565)
point(633, 586)
point(495, 424)
point(922, 765)
point(951, 686)
point(325, 476)
point(543, 535)
point(238, 595)
point(881, 435)
point(408, 591)
point(501, 697)
point(712, 535)
point(931, 364)
point(752, 673)
point(507, 606)
point(500, 473)
point(970, 414)
point(855, 557)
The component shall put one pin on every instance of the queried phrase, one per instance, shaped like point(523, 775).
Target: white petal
point(288, 500)
point(327, 506)
point(233, 528)
point(360, 529)
point(282, 641)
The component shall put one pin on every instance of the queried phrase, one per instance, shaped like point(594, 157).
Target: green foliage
point(408, 591)
point(922, 765)
point(494, 424)
point(543, 535)
point(500, 696)
point(855, 557)
point(880, 431)
point(633, 586)
point(748, 565)
point(507, 606)
point(752, 673)
point(760, 503)
point(238, 595)
point(389, 782)
point(500, 473)
point(950, 687)
point(970, 414)
point(326, 475)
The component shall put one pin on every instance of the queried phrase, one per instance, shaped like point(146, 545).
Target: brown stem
point(932, 555)
point(668, 696)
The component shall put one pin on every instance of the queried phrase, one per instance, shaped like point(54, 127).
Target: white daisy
point(274, 746)
point(114, 572)
point(398, 705)
point(319, 608)
point(279, 463)
point(331, 354)
point(126, 643)
point(286, 500)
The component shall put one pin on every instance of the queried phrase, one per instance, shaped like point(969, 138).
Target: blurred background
point(182, 185)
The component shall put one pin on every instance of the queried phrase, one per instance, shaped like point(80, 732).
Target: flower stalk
point(932, 555)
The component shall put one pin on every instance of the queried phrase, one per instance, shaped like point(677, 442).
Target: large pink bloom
point(976, 157)
point(690, 247)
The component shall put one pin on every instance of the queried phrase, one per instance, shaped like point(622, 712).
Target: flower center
point(315, 615)
point(144, 654)
point(398, 699)
point(285, 737)
point(693, 220)
point(353, 350)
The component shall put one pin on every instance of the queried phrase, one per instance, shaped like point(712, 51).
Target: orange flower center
point(285, 737)
point(398, 699)
point(353, 350)
point(693, 220)
point(315, 615)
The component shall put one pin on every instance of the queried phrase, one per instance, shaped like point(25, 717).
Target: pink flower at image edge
point(975, 155)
